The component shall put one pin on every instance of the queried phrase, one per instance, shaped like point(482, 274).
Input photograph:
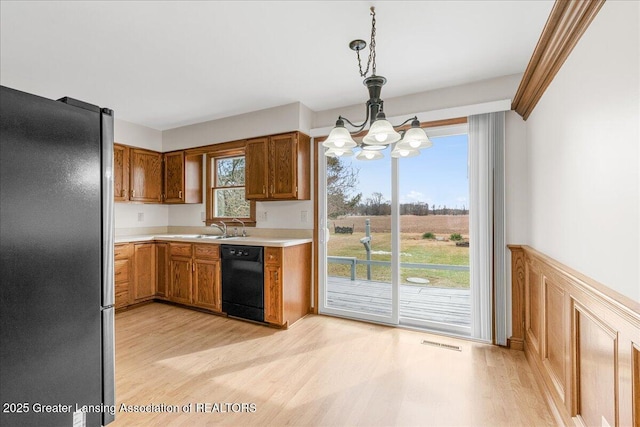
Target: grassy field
point(413, 248)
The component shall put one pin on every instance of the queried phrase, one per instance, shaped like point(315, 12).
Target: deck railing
point(353, 261)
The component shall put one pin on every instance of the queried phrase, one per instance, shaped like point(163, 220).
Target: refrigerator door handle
point(108, 224)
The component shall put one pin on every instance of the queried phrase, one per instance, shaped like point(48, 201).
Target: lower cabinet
point(162, 270)
point(195, 275)
point(180, 289)
point(207, 290)
point(122, 274)
point(287, 289)
point(144, 277)
point(273, 309)
point(190, 274)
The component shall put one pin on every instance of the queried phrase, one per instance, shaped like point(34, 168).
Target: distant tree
point(375, 205)
point(341, 180)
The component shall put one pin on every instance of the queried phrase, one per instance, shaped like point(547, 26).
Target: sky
point(438, 175)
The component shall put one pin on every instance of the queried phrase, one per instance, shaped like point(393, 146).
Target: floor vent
point(441, 345)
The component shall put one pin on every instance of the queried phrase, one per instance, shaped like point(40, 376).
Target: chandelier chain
point(371, 61)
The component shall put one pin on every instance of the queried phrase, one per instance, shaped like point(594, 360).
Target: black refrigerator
point(56, 277)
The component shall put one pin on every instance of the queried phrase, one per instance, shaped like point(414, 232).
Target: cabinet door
point(283, 167)
point(144, 281)
point(273, 294)
point(120, 173)
point(145, 176)
point(206, 284)
point(180, 281)
point(256, 169)
point(162, 269)
point(174, 177)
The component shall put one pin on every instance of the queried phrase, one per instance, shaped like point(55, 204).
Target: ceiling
point(169, 64)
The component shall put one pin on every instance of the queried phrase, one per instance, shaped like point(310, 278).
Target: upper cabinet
point(151, 177)
point(277, 167)
point(182, 178)
point(145, 172)
point(120, 173)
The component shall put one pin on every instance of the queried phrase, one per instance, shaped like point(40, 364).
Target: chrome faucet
point(223, 228)
point(244, 232)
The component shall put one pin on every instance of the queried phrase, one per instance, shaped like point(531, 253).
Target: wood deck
point(443, 305)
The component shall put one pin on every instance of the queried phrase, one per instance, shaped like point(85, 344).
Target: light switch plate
point(140, 216)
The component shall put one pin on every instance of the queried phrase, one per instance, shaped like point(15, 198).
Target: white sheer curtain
point(486, 226)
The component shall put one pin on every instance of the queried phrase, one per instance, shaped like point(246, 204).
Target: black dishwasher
point(243, 281)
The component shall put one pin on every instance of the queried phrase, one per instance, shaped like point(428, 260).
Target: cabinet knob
point(180, 194)
point(133, 193)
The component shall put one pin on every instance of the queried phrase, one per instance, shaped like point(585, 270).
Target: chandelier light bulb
point(381, 137)
point(369, 154)
point(413, 143)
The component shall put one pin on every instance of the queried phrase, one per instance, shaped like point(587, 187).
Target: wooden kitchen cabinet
point(195, 275)
point(287, 284)
point(144, 280)
point(123, 270)
point(145, 175)
point(277, 167)
point(180, 284)
point(120, 173)
point(182, 177)
point(162, 269)
point(137, 174)
point(207, 290)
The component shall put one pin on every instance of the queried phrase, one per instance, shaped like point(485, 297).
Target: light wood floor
point(323, 371)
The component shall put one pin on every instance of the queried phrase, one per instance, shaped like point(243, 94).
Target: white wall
point(480, 92)
point(258, 123)
point(126, 214)
point(583, 155)
point(516, 176)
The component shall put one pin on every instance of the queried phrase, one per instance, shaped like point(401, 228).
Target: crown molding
point(567, 21)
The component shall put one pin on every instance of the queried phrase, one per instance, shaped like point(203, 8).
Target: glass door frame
point(323, 233)
point(394, 319)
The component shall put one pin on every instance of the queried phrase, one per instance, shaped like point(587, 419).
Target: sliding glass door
point(358, 257)
point(395, 247)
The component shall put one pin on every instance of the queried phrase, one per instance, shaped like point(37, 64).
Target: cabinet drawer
point(122, 294)
point(121, 273)
point(180, 249)
point(122, 251)
point(273, 256)
point(207, 251)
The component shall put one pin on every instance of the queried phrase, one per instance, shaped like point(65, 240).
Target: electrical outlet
point(304, 216)
point(202, 217)
point(262, 216)
point(140, 216)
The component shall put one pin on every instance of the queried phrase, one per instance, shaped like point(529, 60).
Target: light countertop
point(203, 238)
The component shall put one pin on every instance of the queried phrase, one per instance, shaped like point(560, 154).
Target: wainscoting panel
point(581, 339)
point(533, 314)
point(595, 345)
point(555, 350)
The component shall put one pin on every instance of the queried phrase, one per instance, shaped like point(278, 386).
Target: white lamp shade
point(340, 138)
point(403, 153)
point(339, 152)
point(381, 133)
point(415, 138)
point(369, 155)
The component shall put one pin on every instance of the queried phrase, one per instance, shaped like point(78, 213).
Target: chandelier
point(381, 134)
